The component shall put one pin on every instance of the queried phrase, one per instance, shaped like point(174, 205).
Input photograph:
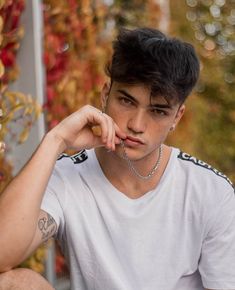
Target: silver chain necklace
point(152, 171)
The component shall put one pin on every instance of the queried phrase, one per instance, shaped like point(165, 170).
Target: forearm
point(20, 202)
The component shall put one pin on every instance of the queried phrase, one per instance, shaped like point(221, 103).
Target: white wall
point(31, 79)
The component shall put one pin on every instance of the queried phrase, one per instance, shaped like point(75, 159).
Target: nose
point(137, 122)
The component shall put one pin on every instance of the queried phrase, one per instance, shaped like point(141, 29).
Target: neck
point(118, 172)
point(135, 171)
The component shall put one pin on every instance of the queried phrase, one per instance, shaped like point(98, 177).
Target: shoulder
point(201, 174)
point(69, 164)
point(76, 158)
point(205, 188)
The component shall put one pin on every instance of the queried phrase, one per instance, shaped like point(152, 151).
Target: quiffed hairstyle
point(145, 55)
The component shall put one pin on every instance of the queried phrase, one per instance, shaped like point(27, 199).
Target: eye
point(156, 111)
point(125, 101)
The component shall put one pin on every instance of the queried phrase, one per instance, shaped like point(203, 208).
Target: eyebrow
point(161, 106)
point(127, 95)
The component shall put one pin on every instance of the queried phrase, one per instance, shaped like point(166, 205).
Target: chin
point(118, 151)
point(133, 154)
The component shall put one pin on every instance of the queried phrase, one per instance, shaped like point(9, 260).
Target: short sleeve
point(53, 200)
point(217, 262)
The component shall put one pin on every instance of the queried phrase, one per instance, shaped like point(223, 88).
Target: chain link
point(153, 170)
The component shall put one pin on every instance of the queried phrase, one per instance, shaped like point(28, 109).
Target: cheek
point(159, 130)
point(115, 114)
point(160, 124)
point(112, 114)
point(120, 120)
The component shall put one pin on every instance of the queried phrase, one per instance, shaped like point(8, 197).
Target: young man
point(130, 212)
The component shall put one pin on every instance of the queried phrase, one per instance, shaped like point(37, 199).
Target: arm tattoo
point(47, 226)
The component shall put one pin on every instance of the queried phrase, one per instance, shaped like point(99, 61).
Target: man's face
point(146, 123)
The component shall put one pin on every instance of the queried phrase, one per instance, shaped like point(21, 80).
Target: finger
point(117, 140)
point(111, 132)
point(100, 119)
point(109, 129)
point(108, 137)
point(119, 132)
point(114, 135)
point(112, 144)
point(114, 138)
point(97, 142)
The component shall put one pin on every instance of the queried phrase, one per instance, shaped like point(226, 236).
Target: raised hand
point(77, 130)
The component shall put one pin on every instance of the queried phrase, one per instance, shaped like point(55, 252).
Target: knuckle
point(110, 119)
point(83, 109)
point(87, 107)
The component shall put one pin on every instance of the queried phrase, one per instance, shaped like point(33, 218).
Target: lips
point(134, 140)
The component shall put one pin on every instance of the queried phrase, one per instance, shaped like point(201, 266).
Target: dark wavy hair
point(169, 66)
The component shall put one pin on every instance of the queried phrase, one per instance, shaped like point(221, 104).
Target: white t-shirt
point(179, 236)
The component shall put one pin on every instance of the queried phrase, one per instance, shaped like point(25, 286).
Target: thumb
point(97, 142)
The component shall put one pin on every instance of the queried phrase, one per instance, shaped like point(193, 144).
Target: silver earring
point(172, 128)
point(104, 108)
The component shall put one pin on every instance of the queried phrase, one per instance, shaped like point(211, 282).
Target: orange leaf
point(2, 69)
point(24, 135)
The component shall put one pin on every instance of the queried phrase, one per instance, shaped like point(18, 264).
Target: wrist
point(56, 142)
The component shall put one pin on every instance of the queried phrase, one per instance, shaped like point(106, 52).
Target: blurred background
point(52, 59)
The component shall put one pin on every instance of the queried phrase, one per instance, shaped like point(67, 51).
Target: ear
point(104, 94)
point(179, 115)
